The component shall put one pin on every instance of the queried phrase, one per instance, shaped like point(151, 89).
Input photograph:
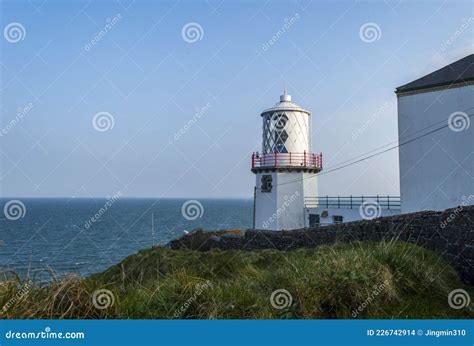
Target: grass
point(358, 280)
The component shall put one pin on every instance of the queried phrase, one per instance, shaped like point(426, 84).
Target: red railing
point(304, 159)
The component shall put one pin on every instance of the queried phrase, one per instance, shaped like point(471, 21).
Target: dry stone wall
point(449, 233)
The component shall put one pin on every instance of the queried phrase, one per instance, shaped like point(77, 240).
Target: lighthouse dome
point(285, 104)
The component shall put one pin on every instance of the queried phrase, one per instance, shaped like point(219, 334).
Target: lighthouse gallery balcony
point(287, 161)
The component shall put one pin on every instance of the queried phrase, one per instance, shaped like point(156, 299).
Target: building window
point(314, 220)
point(266, 183)
point(337, 218)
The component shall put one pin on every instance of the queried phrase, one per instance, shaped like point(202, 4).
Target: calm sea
point(85, 236)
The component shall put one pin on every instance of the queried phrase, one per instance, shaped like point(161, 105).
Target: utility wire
point(396, 141)
point(338, 167)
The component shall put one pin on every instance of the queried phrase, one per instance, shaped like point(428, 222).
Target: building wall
point(283, 207)
point(448, 233)
point(347, 214)
point(437, 171)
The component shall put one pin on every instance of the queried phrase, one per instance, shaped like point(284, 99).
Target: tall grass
point(358, 280)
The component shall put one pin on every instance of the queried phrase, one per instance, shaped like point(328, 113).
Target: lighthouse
point(285, 169)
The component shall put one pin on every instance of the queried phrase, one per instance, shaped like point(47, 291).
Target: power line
point(373, 155)
point(396, 141)
point(379, 153)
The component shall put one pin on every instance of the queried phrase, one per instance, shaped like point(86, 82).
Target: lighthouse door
point(314, 220)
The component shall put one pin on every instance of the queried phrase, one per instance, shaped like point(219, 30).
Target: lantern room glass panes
point(283, 133)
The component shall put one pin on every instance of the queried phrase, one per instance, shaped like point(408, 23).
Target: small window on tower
point(266, 183)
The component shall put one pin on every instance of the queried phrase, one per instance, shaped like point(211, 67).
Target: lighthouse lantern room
point(286, 168)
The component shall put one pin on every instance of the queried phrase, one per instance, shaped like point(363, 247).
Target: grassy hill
point(358, 280)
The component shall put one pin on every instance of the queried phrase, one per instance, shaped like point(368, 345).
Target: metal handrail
point(384, 202)
point(303, 159)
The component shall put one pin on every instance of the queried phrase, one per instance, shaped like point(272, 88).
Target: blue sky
point(153, 82)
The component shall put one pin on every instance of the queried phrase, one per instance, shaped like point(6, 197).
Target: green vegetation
point(358, 280)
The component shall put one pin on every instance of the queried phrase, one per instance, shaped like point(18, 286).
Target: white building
point(285, 169)
point(437, 170)
point(286, 189)
point(326, 210)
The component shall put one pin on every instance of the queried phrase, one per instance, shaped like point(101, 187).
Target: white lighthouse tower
point(285, 169)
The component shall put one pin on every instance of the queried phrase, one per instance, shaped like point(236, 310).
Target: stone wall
point(449, 233)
